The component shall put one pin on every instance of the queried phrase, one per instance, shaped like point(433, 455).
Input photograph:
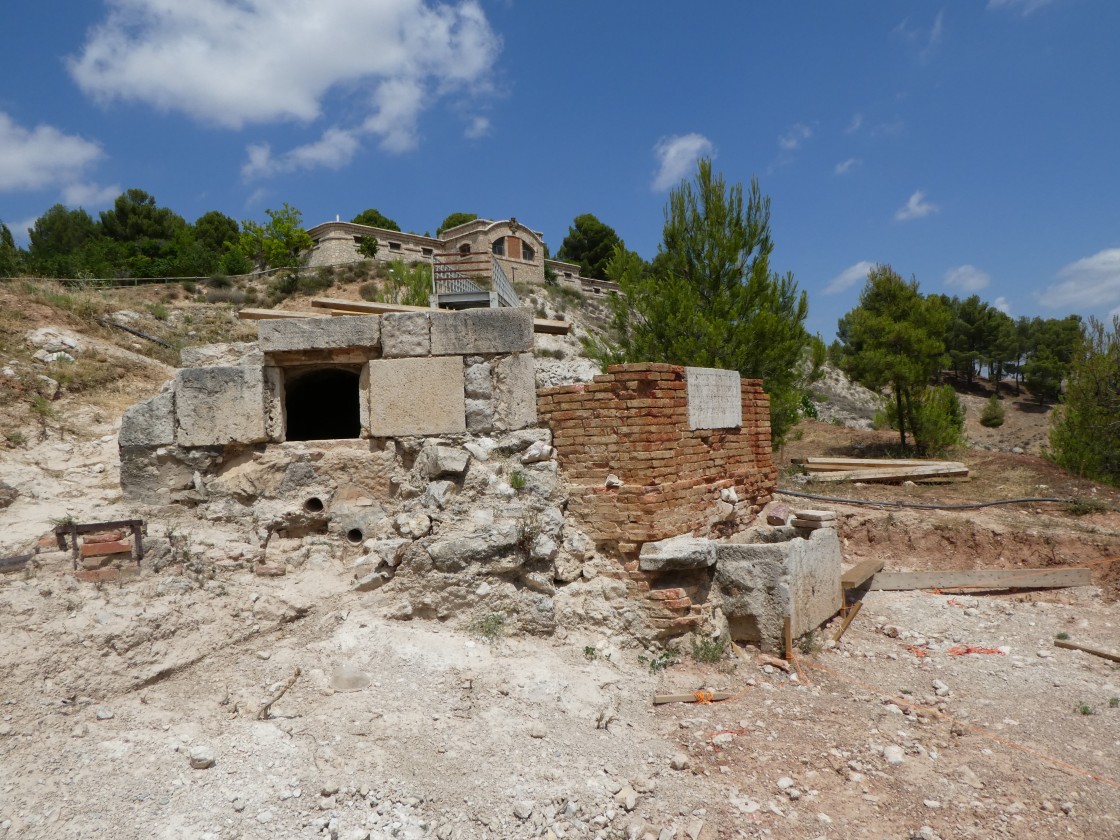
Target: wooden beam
point(1103, 654)
point(365, 307)
point(859, 573)
point(1054, 578)
point(825, 464)
point(893, 474)
point(272, 314)
point(852, 613)
point(709, 696)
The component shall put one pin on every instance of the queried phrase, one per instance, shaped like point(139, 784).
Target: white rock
point(940, 688)
point(104, 713)
point(785, 783)
point(523, 809)
point(722, 739)
point(202, 757)
point(679, 761)
point(894, 754)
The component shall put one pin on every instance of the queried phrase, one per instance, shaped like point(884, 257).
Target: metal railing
point(469, 277)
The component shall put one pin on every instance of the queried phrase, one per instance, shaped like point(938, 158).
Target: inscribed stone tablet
point(714, 398)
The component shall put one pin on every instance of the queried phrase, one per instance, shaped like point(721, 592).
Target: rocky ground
point(134, 708)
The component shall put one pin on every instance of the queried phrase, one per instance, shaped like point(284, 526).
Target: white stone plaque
point(714, 398)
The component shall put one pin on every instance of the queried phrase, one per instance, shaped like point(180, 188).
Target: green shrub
point(369, 291)
point(517, 480)
point(709, 650)
point(218, 281)
point(992, 416)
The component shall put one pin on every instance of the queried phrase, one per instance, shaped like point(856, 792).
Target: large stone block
point(284, 335)
point(150, 423)
point(416, 397)
point(715, 399)
point(515, 394)
point(232, 354)
point(677, 553)
point(405, 334)
point(220, 405)
point(472, 331)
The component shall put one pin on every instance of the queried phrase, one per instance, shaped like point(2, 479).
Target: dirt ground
point(411, 729)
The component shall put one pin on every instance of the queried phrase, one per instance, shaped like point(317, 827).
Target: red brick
point(103, 537)
point(98, 549)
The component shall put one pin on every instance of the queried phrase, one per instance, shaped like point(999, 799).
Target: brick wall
point(633, 422)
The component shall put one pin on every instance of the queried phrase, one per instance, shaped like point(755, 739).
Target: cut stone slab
point(677, 553)
point(715, 398)
point(150, 423)
point(220, 405)
point(816, 515)
point(416, 396)
point(516, 392)
point(345, 332)
point(436, 461)
point(811, 524)
point(476, 331)
point(406, 334)
point(232, 354)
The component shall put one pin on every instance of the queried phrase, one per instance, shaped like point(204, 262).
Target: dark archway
point(322, 404)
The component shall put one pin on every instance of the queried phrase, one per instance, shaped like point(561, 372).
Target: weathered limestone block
point(478, 382)
point(274, 403)
point(406, 334)
point(435, 461)
point(416, 397)
point(158, 475)
point(232, 354)
point(502, 330)
point(293, 334)
point(220, 405)
point(480, 416)
point(516, 392)
point(762, 583)
point(150, 423)
point(677, 553)
point(453, 555)
point(715, 399)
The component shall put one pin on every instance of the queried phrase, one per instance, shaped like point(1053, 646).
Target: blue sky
point(973, 145)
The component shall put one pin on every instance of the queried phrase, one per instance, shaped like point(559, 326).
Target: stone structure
point(518, 249)
point(354, 377)
point(639, 468)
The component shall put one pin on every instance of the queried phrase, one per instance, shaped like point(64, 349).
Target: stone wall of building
point(642, 466)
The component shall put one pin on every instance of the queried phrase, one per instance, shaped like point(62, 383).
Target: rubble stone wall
point(633, 423)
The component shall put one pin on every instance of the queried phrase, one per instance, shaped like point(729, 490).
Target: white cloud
point(21, 230)
point(239, 62)
point(1092, 282)
point(90, 195)
point(849, 277)
point(924, 41)
point(855, 124)
point(967, 278)
point(1002, 305)
point(846, 166)
point(797, 134)
point(676, 155)
point(478, 127)
point(1025, 7)
point(916, 207)
point(333, 150)
point(41, 157)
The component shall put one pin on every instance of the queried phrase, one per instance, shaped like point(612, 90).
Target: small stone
point(202, 758)
point(679, 762)
point(80, 730)
point(931, 803)
point(894, 755)
point(722, 740)
point(329, 789)
point(537, 730)
point(239, 805)
point(523, 809)
point(785, 783)
point(628, 798)
point(1067, 808)
point(104, 713)
point(794, 794)
point(264, 816)
point(940, 688)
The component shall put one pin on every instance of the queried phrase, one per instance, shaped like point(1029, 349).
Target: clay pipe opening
point(314, 505)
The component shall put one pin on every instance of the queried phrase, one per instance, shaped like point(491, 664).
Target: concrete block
point(515, 394)
point(216, 406)
point(416, 397)
point(677, 553)
point(232, 354)
point(284, 335)
point(405, 334)
point(503, 330)
point(715, 399)
point(150, 423)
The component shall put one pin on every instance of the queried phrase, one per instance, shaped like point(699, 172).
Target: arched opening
point(322, 404)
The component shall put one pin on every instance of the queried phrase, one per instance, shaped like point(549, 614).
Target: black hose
point(136, 333)
point(920, 506)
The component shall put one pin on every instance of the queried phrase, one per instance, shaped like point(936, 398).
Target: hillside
point(409, 727)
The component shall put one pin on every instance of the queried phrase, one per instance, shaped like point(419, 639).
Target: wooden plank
point(859, 573)
point(1054, 578)
point(848, 620)
point(14, 564)
point(365, 306)
point(820, 463)
point(709, 696)
point(894, 474)
point(272, 314)
point(787, 633)
point(1103, 654)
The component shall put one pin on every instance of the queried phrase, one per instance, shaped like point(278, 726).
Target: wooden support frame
point(73, 530)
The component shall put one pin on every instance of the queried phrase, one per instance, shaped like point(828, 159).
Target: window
point(568, 275)
point(527, 252)
point(427, 252)
point(321, 403)
point(465, 248)
point(394, 246)
point(499, 247)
